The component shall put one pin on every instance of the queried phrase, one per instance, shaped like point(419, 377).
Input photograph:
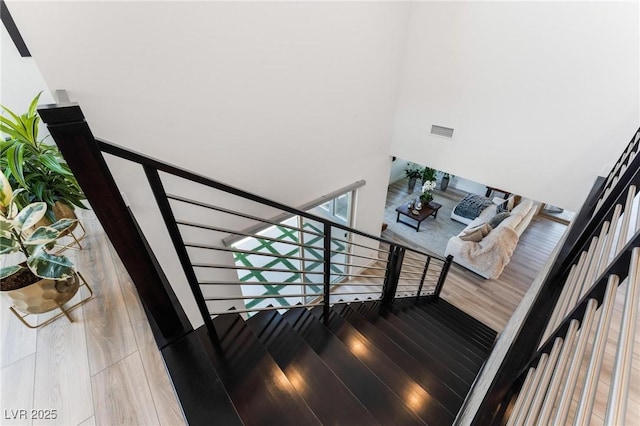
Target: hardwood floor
point(102, 369)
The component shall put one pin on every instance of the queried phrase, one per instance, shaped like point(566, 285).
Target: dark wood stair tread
point(415, 344)
point(429, 330)
point(451, 314)
point(474, 322)
point(258, 388)
point(439, 347)
point(199, 389)
point(363, 383)
point(414, 368)
point(326, 395)
point(420, 401)
point(448, 321)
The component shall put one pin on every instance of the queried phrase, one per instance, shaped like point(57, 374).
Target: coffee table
point(429, 209)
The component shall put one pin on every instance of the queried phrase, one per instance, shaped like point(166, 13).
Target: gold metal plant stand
point(75, 244)
point(64, 311)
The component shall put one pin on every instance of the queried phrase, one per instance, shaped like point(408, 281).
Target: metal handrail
point(255, 268)
point(526, 389)
point(587, 398)
point(558, 374)
point(257, 237)
point(622, 365)
point(239, 214)
point(528, 397)
point(269, 308)
point(566, 394)
point(251, 252)
point(545, 379)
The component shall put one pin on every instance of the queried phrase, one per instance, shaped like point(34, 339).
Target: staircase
point(411, 364)
point(304, 356)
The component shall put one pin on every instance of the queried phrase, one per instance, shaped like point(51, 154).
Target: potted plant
point(413, 172)
point(426, 195)
point(428, 174)
point(37, 167)
point(35, 280)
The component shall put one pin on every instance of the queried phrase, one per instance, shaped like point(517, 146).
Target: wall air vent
point(445, 132)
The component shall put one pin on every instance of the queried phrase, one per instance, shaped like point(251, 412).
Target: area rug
point(434, 233)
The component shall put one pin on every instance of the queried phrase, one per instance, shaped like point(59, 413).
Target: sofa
point(489, 256)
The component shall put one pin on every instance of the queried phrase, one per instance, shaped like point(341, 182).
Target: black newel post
point(71, 133)
point(392, 275)
point(424, 275)
point(443, 275)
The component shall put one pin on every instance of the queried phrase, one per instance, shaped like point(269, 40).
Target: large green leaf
point(63, 224)
point(46, 265)
point(41, 236)
point(7, 271)
point(8, 244)
point(34, 104)
point(48, 234)
point(14, 130)
point(31, 127)
point(52, 163)
point(15, 161)
point(30, 215)
point(6, 226)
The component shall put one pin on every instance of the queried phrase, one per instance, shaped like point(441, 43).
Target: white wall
point(397, 170)
point(288, 100)
point(20, 79)
point(541, 95)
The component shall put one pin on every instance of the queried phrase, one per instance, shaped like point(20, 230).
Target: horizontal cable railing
point(237, 250)
point(304, 260)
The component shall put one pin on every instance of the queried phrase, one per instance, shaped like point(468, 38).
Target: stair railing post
point(157, 188)
point(443, 275)
point(424, 274)
point(78, 146)
point(327, 272)
point(392, 275)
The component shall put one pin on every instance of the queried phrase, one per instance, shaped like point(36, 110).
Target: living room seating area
point(486, 245)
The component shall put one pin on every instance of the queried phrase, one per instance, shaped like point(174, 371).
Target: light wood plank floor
point(102, 369)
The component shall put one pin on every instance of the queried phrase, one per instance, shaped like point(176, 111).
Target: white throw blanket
point(493, 253)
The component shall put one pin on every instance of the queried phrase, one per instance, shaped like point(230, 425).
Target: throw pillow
point(497, 219)
point(477, 233)
point(474, 236)
point(474, 229)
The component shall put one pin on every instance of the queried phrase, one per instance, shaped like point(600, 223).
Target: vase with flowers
point(426, 195)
